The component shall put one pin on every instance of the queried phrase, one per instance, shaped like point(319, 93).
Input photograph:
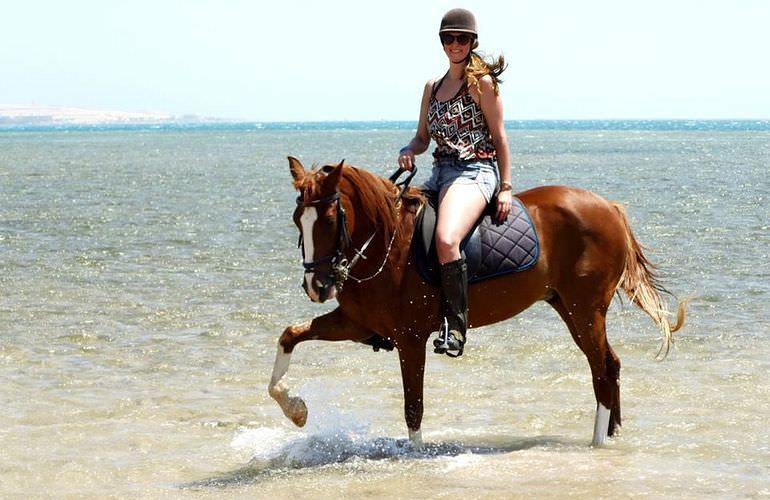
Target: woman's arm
point(420, 142)
point(492, 107)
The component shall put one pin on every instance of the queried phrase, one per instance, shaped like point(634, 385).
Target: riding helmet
point(459, 20)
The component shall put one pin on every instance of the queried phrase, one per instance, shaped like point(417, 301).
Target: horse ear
point(296, 168)
point(333, 174)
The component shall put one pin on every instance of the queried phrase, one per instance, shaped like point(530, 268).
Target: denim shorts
point(482, 173)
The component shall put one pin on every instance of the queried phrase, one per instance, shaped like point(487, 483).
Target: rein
point(339, 263)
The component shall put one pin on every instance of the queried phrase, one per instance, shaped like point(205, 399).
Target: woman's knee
point(446, 243)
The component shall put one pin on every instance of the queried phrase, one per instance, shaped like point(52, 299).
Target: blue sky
point(356, 60)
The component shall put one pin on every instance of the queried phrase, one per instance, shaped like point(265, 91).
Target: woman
point(463, 112)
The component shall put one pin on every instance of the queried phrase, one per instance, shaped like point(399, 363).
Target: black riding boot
point(454, 284)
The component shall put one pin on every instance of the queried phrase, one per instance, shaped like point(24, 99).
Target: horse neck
point(372, 204)
point(376, 210)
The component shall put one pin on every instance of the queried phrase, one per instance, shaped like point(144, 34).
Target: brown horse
point(356, 228)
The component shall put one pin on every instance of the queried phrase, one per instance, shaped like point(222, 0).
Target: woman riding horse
point(463, 112)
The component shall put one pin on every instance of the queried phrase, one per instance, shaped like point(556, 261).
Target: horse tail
point(641, 284)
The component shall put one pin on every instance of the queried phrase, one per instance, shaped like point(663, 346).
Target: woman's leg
point(460, 205)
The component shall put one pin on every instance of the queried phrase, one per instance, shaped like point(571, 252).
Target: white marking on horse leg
point(280, 368)
point(601, 425)
point(278, 389)
point(415, 437)
point(307, 220)
point(292, 407)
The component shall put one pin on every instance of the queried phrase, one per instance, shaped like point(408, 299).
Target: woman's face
point(456, 46)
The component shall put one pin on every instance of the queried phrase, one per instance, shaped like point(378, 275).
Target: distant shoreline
point(47, 117)
point(44, 115)
point(374, 125)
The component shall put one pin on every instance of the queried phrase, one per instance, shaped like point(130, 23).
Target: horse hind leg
point(587, 326)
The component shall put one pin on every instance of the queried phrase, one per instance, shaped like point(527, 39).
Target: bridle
point(340, 266)
point(337, 257)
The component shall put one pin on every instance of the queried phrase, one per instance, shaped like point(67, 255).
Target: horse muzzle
point(318, 287)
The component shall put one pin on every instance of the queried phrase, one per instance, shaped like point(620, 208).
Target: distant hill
point(61, 115)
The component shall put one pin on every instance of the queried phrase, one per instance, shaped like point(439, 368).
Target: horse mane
point(378, 197)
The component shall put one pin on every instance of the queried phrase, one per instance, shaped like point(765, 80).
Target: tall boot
point(454, 284)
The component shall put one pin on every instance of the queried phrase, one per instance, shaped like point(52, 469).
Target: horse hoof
point(298, 411)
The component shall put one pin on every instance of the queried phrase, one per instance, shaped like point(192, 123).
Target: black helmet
point(459, 20)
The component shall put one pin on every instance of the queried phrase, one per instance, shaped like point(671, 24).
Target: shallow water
point(146, 276)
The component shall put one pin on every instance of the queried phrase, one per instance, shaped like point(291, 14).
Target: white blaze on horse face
point(601, 425)
point(308, 218)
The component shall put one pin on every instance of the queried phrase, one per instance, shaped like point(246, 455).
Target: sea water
point(146, 274)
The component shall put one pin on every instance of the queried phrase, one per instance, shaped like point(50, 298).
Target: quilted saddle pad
point(490, 250)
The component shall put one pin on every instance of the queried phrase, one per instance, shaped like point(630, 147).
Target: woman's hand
point(504, 201)
point(406, 158)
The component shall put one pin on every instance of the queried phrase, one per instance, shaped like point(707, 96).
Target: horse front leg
point(293, 407)
point(332, 326)
point(411, 354)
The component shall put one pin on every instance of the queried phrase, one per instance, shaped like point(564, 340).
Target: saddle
point(490, 249)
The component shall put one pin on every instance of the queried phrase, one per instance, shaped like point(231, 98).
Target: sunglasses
point(462, 39)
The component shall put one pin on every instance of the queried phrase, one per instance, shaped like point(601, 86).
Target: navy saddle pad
point(490, 250)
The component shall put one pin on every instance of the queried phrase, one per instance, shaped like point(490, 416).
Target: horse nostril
point(325, 292)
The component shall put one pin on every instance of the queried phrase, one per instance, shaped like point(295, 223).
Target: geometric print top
point(458, 127)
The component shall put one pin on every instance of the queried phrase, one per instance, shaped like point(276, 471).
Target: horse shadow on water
point(306, 452)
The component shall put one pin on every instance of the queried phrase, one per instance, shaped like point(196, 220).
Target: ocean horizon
point(561, 124)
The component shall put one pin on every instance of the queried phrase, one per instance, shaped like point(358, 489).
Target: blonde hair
point(478, 67)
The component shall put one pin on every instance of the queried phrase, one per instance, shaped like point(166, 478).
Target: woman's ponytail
point(478, 67)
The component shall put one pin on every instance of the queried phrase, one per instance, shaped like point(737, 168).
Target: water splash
point(275, 448)
point(332, 436)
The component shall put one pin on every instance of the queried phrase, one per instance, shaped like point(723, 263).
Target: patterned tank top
point(458, 127)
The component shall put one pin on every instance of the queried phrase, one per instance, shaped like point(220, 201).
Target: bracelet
point(403, 150)
point(506, 186)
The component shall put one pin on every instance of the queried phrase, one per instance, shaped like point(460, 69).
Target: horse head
point(323, 232)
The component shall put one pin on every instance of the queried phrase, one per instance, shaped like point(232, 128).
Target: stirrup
point(447, 343)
